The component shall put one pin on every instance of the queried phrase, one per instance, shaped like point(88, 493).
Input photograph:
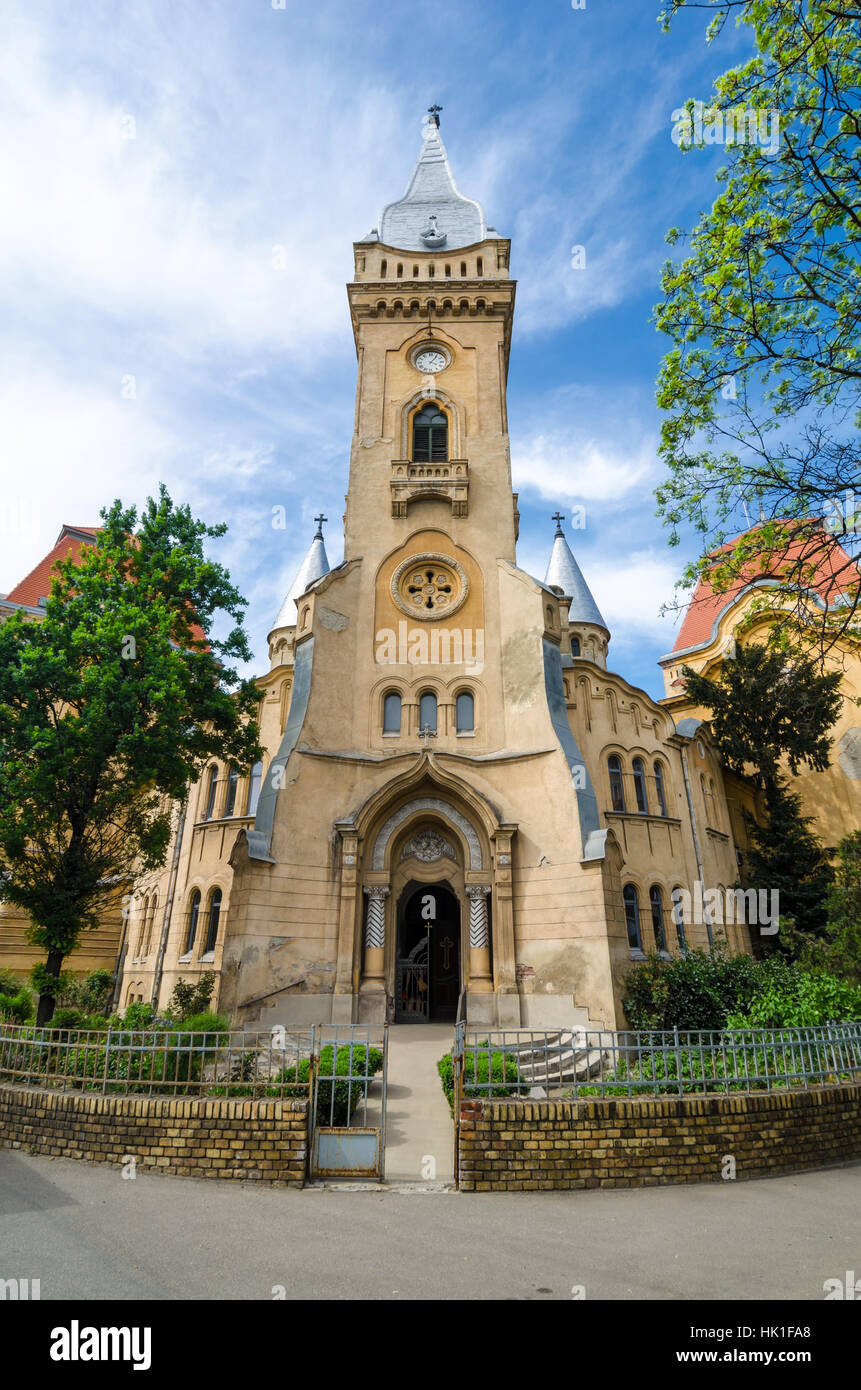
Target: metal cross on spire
point(319, 520)
point(433, 112)
point(558, 517)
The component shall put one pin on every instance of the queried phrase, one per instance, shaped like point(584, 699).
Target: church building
point(463, 810)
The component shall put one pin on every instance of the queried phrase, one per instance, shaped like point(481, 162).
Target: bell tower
point(427, 772)
point(431, 306)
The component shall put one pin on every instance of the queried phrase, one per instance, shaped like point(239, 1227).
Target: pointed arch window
point(632, 916)
point(255, 780)
point(212, 922)
point(427, 711)
point(656, 902)
point(153, 908)
point(617, 786)
point(193, 914)
point(640, 785)
point(678, 915)
point(232, 785)
point(430, 435)
point(211, 788)
point(392, 713)
point(142, 930)
point(660, 789)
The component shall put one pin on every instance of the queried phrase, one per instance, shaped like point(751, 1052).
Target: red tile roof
point(706, 605)
point(37, 584)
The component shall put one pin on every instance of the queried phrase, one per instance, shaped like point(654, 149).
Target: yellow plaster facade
point(461, 810)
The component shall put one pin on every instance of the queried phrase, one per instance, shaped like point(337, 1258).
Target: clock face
point(431, 360)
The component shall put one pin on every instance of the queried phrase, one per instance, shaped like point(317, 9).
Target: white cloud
point(587, 469)
point(631, 594)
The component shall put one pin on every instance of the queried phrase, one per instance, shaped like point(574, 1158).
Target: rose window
point(429, 586)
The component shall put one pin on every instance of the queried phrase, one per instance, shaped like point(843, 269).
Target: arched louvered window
point(465, 707)
point(392, 713)
point(255, 780)
point(632, 916)
point(212, 923)
point(232, 784)
point(640, 785)
point(656, 902)
point(427, 711)
point(193, 914)
point(660, 789)
point(211, 788)
point(617, 787)
point(430, 435)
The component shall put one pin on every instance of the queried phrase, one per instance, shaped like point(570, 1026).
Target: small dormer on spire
point(313, 567)
point(590, 635)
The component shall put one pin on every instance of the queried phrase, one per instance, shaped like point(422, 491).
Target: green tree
point(765, 708)
point(844, 911)
point(108, 709)
point(838, 950)
point(768, 713)
point(785, 855)
point(760, 387)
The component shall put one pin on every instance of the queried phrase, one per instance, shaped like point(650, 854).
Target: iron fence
point(349, 1059)
point(583, 1063)
point(165, 1061)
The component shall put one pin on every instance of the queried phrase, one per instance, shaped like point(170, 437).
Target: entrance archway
point(427, 961)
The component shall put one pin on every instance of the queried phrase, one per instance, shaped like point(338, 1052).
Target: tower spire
point(433, 213)
point(564, 573)
point(313, 567)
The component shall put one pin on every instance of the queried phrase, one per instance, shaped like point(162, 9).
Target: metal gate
point(412, 986)
point(348, 1101)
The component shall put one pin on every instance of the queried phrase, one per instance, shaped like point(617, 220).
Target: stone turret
point(313, 567)
point(590, 636)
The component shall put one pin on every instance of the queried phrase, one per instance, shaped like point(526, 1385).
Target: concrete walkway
point(419, 1128)
point(87, 1233)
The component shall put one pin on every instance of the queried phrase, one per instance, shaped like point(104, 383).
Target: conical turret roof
point(564, 573)
point(314, 566)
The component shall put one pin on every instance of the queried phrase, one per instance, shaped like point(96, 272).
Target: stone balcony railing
point(412, 481)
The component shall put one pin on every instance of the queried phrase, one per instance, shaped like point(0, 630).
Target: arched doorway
point(427, 962)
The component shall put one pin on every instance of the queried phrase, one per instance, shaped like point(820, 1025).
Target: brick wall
point(533, 1145)
point(260, 1139)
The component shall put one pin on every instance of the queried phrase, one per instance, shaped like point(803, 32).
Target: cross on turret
point(433, 112)
point(319, 520)
point(558, 517)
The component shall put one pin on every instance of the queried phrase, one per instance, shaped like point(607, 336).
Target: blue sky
point(153, 156)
